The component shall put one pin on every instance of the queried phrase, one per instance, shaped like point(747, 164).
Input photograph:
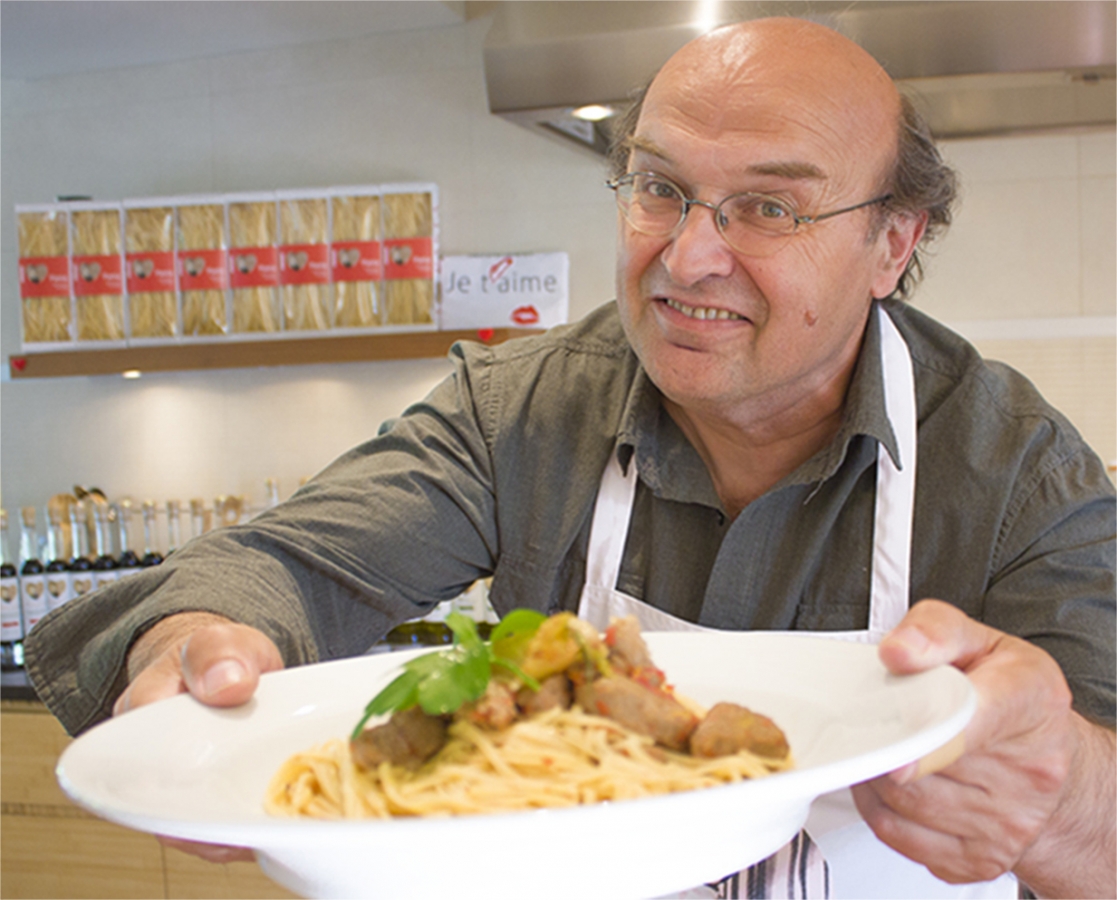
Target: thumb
point(222, 664)
point(934, 633)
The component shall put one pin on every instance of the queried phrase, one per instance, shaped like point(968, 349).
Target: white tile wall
point(1034, 238)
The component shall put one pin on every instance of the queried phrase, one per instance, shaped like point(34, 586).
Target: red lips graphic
point(525, 315)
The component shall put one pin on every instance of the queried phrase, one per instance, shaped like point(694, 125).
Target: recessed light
point(594, 112)
point(131, 373)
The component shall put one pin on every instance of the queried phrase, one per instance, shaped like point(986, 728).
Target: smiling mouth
point(704, 313)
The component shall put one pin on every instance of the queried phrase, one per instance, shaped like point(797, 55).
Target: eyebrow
point(793, 170)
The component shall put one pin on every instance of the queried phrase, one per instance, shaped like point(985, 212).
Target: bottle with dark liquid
point(32, 576)
point(128, 563)
point(11, 622)
point(81, 566)
point(152, 556)
point(104, 563)
point(59, 578)
point(430, 630)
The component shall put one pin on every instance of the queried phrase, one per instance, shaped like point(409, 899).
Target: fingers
point(215, 853)
point(219, 664)
point(222, 664)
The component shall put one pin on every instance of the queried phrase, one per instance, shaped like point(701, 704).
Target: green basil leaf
point(464, 628)
point(399, 694)
point(511, 635)
point(462, 680)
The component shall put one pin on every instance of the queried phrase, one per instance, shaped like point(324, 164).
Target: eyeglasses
point(752, 224)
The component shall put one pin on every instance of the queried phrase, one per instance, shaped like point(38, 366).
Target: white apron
point(853, 862)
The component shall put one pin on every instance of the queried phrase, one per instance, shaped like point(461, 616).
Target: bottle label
point(81, 583)
point(59, 589)
point(11, 624)
point(152, 273)
point(251, 267)
point(202, 270)
point(408, 258)
point(100, 579)
point(355, 260)
point(33, 599)
point(304, 264)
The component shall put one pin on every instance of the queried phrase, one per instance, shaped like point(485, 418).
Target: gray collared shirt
point(496, 472)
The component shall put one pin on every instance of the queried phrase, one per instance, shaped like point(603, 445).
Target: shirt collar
point(673, 470)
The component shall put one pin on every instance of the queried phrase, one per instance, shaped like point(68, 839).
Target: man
point(755, 416)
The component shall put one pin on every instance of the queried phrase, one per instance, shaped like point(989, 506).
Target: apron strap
point(609, 529)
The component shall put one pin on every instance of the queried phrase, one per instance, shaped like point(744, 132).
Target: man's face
point(795, 318)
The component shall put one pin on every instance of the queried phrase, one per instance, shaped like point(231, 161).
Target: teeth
point(701, 312)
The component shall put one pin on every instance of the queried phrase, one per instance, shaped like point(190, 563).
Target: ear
point(896, 243)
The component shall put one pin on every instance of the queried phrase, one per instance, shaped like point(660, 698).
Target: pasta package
point(355, 264)
point(254, 263)
point(304, 260)
point(97, 270)
point(44, 273)
point(202, 264)
point(409, 228)
point(149, 258)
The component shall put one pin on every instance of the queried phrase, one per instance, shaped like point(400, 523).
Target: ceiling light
point(131, 373)
point(594, 112)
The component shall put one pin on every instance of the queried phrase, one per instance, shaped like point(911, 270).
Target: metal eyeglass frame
point(615, 184)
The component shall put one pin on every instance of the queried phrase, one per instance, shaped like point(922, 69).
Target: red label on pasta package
point(151, 273)
point(355, 261)
point(44, 276)
point(408, 258)
point(251, 267)
point(94, 275)
point(304, 264)
point(202, 270)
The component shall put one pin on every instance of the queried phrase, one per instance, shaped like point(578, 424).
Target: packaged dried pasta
point(97, 270)
point(304, 260)
point(355, 264)
point(203, 275)
point(149, 259)
point(44, 273)
point(254, 263)
point(409, 229)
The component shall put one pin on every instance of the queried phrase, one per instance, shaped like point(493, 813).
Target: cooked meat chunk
point(495, 709)
point(647, 711)
point(628, 653)
point(553, 692)
point(409, 738)
point(728, 728)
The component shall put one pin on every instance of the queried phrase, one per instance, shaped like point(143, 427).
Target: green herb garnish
point(442, 681)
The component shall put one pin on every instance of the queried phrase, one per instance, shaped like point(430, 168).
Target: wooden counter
point(50, 848)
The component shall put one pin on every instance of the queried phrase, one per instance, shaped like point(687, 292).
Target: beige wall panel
point(30, 743)
point(57, 857)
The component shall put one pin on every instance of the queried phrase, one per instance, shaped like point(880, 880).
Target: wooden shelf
point(251, 354)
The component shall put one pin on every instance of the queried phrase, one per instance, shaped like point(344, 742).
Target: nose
point(698, 250)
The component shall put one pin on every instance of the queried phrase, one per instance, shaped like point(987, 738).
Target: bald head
point(759, 76)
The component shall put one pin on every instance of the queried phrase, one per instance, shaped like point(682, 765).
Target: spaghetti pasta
point(42, 236)
point(96, 234)
point(150, 230)
point(356, 218)
point(407, 300)
point(555, 759)
point(201, 227)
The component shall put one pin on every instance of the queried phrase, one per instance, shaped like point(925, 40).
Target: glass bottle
point(128, 563)
point(32, 578)
point(198, 516)
point(81, 566)
point(430, 630)
point(152, 556)
point(59, 579)
point(11, 622)
point(174, 526)
point(104, 564)
point(271, 493)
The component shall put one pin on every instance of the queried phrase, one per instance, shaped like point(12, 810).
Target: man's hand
point(1034, 792)
point(217, 661)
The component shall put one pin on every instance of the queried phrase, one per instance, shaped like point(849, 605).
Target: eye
point(767, 208)
point(657, 188)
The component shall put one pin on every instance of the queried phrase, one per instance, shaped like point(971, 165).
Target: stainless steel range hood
point(975, 67)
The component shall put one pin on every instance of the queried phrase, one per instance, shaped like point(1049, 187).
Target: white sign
point(529, 291)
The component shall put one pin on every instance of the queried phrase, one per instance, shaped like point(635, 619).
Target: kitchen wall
point(1028, 271)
